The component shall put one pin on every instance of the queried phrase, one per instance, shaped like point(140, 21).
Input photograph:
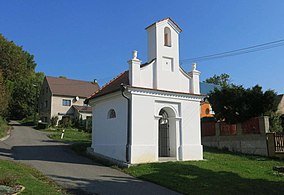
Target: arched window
point(165, 116)
point(111, 114)
point(167, 37)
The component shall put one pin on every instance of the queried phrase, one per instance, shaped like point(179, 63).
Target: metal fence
point(279, 142)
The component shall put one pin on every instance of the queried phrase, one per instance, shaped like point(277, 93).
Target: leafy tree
point(236, 104)
point(20, 79)
point(3, 96)
point(275, 122)
point(223, 80)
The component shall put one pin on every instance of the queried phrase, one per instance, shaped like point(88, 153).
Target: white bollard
point(62, 134)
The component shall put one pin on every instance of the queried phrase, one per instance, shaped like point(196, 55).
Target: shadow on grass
point(191, 179)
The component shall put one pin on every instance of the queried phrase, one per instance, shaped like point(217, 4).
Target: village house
point(280, 107)
point(205, 107)
point(150, 112)
point(63, 97)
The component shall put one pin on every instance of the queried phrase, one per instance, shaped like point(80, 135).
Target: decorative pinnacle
point(134, 55)
point(194, 66)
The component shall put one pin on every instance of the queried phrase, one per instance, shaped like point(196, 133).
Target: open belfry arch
point(155, 106)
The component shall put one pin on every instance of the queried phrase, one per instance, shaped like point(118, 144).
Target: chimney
point(194, 82)
point(134, 70)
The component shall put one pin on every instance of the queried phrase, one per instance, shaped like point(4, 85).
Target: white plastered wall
point(109, 136)
point(165, 76)
point(146, 76)
point(185, 135)
point(191, 148)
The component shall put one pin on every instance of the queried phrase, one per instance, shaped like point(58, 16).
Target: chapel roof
point(115, 85)
point(112, 86)
point(71, 87)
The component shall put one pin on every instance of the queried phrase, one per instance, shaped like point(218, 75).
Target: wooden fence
point(251, 126)
point(247, 137)
point(208, 129)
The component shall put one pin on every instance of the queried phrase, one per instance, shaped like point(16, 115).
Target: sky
point(92, 39)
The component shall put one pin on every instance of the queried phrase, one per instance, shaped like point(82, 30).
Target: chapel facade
point(150, 112)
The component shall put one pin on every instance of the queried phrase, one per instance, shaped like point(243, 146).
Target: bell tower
point(163, 46)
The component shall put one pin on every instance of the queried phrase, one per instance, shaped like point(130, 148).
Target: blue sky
point(94, 39)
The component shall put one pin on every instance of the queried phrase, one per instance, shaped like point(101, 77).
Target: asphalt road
point(78, 174)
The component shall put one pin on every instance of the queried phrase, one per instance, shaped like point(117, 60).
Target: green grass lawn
point(220, 173)
point(80, 140)
point(70, 135)
point(34, 182)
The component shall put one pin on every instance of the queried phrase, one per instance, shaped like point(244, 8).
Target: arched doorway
point(164, 138)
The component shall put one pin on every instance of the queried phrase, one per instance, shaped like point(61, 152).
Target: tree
point(223, 80)
point(236, 104)
point(20, 79)
point(3, 96)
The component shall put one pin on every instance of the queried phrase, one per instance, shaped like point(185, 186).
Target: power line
point(241, 51)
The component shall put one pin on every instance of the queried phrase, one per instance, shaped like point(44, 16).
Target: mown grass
point(3, 127)
point(70, 135)
point(34, 182)
point(220, 173)
point(79, 140)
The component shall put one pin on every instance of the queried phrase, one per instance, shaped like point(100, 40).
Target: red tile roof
point(70, 87)
point(83, 109)
point(112, 86)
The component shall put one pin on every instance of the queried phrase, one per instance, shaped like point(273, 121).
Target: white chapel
point(151, 112)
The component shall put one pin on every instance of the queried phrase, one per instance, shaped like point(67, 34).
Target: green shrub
point(66, 122)
point(84, 124)
point(53, 121)
point(275, 122)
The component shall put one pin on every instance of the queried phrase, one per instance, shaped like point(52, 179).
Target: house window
point(167, 37)
point(111, 114)
point(66, 102)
